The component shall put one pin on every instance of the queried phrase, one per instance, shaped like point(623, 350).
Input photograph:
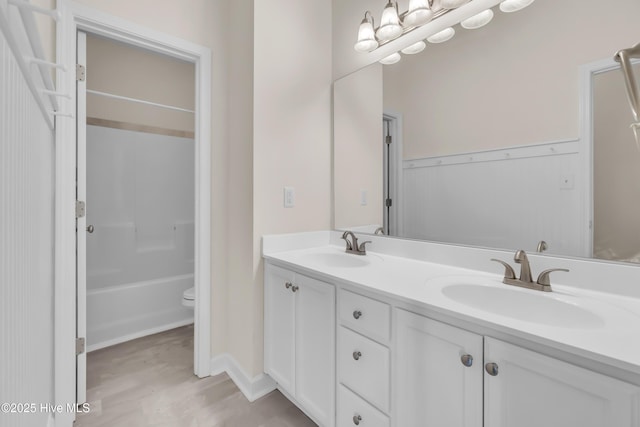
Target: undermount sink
point(531, 306)
point(338, 259)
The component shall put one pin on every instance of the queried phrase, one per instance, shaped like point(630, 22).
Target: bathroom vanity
point(385, 340)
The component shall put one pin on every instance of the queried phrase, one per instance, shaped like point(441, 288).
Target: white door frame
point(396, 172)
point(76, 17)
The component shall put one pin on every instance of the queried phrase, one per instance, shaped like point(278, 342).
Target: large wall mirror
point(502, 137)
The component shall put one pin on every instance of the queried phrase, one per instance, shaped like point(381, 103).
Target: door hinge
point(388, 203)
point(81, 209)
point(81, 73)
point(79, 346)
point(387, 139)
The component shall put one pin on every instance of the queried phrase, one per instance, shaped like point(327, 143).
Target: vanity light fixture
point(391, 59)
point(442, 36)
point(366, 35)
point(390, 27)
point(394, 24)
point(419, 13)
point(509, 6)
point(414, 48)
point(477, 21)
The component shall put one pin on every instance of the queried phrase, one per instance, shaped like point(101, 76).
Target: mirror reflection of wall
point(492, 153)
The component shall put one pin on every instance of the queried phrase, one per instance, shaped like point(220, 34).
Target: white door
point(438, 370)
point(315, 348)
point(533, 390)
point(279, 327)
point(81, 222)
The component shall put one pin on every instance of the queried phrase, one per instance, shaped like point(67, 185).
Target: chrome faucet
point(352, 246)
point(526, 281)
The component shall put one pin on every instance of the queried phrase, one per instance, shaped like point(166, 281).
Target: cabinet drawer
point(354, 411)
point(368, 316)
point(363, 366)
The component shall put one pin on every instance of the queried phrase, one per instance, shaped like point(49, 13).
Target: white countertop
point(613, 338)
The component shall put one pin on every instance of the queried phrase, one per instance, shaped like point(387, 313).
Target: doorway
point(135, 173)
point(392, 173)
point(79, 18)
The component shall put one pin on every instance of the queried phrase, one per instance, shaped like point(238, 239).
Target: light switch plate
point(363, 197)
point(289, 197)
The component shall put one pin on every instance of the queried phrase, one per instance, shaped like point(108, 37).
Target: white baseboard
point(252, 388)
point(139, 334)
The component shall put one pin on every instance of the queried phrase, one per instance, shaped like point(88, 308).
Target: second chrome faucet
point(352, 246)
point(526, 280)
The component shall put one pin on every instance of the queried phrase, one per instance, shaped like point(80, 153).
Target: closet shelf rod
point(139, 101)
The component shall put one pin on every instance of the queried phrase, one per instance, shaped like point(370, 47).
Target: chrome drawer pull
point(357, 355)
point(357, 314)
point(356, 419)
point(288, 285)
point(492, 369)
point(294, 288)
point(467, 360)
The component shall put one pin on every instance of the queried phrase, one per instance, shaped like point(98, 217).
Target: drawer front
point(353, 411)
point(363, 366)
point(365, 315)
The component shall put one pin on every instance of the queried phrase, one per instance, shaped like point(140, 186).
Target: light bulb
point(414, 48)
point(442, 36)
point(477, 21)
point(390, 27)
point(391, 59)
point(514, 5)
point(366, 37)
point(452, 4)
point(418, 14)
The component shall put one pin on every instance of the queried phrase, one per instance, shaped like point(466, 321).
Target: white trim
point(501, 154)
point(79, 17)
point(397, 208)
point(252, 388)
point(139, 334)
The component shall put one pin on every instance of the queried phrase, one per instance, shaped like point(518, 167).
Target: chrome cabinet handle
point(357, 355)
point(492, 369)
point(357, 314)
point(356, 419)
point(288, 285)
point(467, 360)
point(294, 288)
point(90, 229)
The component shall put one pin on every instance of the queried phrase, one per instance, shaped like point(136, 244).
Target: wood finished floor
point(150, 382)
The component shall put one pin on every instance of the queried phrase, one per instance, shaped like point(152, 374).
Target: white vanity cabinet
point(300, 340)
point(437, 384)
point(438, 373)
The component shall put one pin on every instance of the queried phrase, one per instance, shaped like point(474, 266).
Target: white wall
point(291, 135)
point(358, 148)
point(503, 199)
point(26, 248)
point(513, 82)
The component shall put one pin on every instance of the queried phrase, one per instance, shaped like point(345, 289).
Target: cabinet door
point(279, 327)
point(433, 387)
point(532, 390)
point(315, 348)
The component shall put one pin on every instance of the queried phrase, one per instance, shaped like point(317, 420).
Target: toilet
point(188, 297)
